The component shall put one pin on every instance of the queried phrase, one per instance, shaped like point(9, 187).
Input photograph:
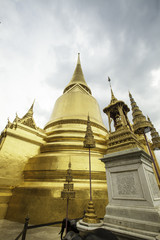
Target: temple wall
point(16, 146)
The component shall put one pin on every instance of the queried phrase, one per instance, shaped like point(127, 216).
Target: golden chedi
point(39, 195)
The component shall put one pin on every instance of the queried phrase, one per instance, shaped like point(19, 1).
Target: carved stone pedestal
point(134, 196)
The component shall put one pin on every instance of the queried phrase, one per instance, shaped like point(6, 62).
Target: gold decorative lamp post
point(89, 142)
point(68, 191)
point(142, 126)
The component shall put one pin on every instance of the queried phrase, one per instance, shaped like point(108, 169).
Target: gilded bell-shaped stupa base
point(39, 196)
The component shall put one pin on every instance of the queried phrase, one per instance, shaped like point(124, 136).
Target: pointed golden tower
point(155, 137)
point(123, 137)
point(44, 174)
point(140, 124)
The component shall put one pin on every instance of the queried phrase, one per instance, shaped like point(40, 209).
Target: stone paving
point(9, 231)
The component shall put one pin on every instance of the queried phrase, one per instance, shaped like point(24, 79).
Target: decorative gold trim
point(23, 138)
point(50, 175)
point(75, 121)
point(62, 147)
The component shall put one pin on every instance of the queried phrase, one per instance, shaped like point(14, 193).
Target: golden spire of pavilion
point(113, 98)
point(78, 78)
point(140, 124)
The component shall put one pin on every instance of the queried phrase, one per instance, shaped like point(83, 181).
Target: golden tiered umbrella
point(155, 137)
point(142, 126)
point(68, 191)
point(89, 142)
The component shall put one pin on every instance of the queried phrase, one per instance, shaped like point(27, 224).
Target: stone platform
point(9, 231)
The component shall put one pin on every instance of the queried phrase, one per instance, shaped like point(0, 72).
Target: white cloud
point(155, 77)
point(39, 42)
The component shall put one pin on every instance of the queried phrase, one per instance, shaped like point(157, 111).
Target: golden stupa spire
point(78, 78)
point(140, 124)
point(155, 137)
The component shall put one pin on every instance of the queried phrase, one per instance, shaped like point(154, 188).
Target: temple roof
point(114, 104)
point(27, 119)
point(78, 78)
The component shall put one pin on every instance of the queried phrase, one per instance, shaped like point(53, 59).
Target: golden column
point(89, 142)
point(141, 126)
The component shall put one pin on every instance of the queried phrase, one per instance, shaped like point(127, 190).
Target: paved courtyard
point(9, 231)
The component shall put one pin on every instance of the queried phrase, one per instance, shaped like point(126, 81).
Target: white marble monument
point(134, 196)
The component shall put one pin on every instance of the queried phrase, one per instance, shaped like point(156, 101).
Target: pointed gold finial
point(16, 119)
point(113, 98)
point(109, 80)
point(140, 124)
point(78, 61)
point(31, 108)
point(30, 111)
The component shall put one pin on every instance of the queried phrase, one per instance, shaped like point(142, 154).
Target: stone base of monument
point(134, 196)
point(83, 226)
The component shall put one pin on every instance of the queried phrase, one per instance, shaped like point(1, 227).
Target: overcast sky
point(40, 39)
